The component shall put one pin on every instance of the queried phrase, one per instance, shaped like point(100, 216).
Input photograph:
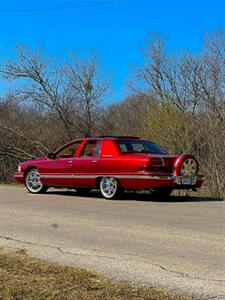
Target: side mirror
point(51, 155)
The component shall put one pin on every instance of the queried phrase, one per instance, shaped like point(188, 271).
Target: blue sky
point(117, 32)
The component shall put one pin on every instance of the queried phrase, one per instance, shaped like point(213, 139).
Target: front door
point(59, 171)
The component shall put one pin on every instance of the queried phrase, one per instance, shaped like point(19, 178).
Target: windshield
point(140, 146)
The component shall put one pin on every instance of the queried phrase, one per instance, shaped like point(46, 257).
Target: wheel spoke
point(108, 187)
point(189, 168)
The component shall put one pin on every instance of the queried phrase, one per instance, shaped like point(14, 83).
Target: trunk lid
point(162, 163)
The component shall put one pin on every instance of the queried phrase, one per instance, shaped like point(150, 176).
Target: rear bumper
point(160, 180)
point(187, 182)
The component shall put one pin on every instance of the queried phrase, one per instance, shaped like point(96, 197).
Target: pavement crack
point(183, 274)
point(128, 258)
point(26, 242)
point(86, 254)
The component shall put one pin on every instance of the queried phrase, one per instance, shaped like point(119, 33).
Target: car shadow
point(138, 196)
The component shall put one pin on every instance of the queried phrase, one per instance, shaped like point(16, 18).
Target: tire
point(83, 191)
point(109, 187)
point(33, 182)
point(161, 193)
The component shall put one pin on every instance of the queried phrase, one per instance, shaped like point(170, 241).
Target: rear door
point(85, 166)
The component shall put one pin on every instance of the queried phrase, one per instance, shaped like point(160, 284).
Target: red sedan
point(111, 164)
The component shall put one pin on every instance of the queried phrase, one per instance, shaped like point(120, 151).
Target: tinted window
point(88, 148)
point(68, 151)
point(140, 146)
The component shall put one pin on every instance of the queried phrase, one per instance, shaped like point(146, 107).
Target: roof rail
point(119, 136)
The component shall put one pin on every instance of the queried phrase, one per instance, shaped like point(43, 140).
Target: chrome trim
point(18, 175)
point(108, 187)
point(81, 176)
point(189, 168)
point(178, 179)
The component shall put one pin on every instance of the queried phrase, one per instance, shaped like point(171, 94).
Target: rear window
point(140, 146)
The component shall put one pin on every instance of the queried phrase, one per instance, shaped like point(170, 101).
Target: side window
point(68, 151)
point(123, 147)
point(138, 147)
point(88, 149)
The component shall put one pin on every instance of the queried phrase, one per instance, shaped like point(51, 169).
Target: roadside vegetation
point(23, 277)
point(177, 100)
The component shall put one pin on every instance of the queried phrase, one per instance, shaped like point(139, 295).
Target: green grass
point(24, 277)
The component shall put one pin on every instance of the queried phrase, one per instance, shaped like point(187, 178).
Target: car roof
point(101, 137)
point(113, 137)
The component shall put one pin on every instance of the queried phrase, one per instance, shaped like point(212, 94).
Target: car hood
point(34, 161)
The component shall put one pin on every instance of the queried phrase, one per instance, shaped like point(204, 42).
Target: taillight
point(142, 170)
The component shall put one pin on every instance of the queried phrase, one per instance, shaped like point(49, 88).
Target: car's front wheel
point(33, 182)
point(109, 187)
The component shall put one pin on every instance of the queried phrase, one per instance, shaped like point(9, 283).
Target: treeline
point(176, 100)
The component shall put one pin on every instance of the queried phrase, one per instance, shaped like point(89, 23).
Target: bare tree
point(194, 85)
point(70, 92)
point(88, 89)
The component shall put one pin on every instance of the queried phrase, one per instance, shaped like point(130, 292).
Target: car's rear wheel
point(161, 193)
point(33, 182)
point(109, 187)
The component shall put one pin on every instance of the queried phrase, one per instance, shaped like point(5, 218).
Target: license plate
point(186, 181)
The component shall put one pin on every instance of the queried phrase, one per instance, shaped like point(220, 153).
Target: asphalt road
point(178, 244)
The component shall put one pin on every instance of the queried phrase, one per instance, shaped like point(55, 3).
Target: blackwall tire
point(33, 182)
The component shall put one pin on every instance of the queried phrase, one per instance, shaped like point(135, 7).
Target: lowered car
point(112, 164)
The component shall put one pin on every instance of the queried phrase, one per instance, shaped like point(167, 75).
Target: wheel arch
point(28, 169)
point(43, 187)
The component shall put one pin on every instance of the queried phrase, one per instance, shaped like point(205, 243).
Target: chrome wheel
point(189, 168)
point(109, 187)
point(33, 182)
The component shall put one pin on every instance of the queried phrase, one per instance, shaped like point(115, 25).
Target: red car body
point(135, 164)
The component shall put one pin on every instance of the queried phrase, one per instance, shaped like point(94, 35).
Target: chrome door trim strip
point(81, 176)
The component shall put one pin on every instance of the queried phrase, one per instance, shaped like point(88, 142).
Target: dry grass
point(23, 277)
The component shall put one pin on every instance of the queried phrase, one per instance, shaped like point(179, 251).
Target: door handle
point(70, 162)
point(94, 161)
